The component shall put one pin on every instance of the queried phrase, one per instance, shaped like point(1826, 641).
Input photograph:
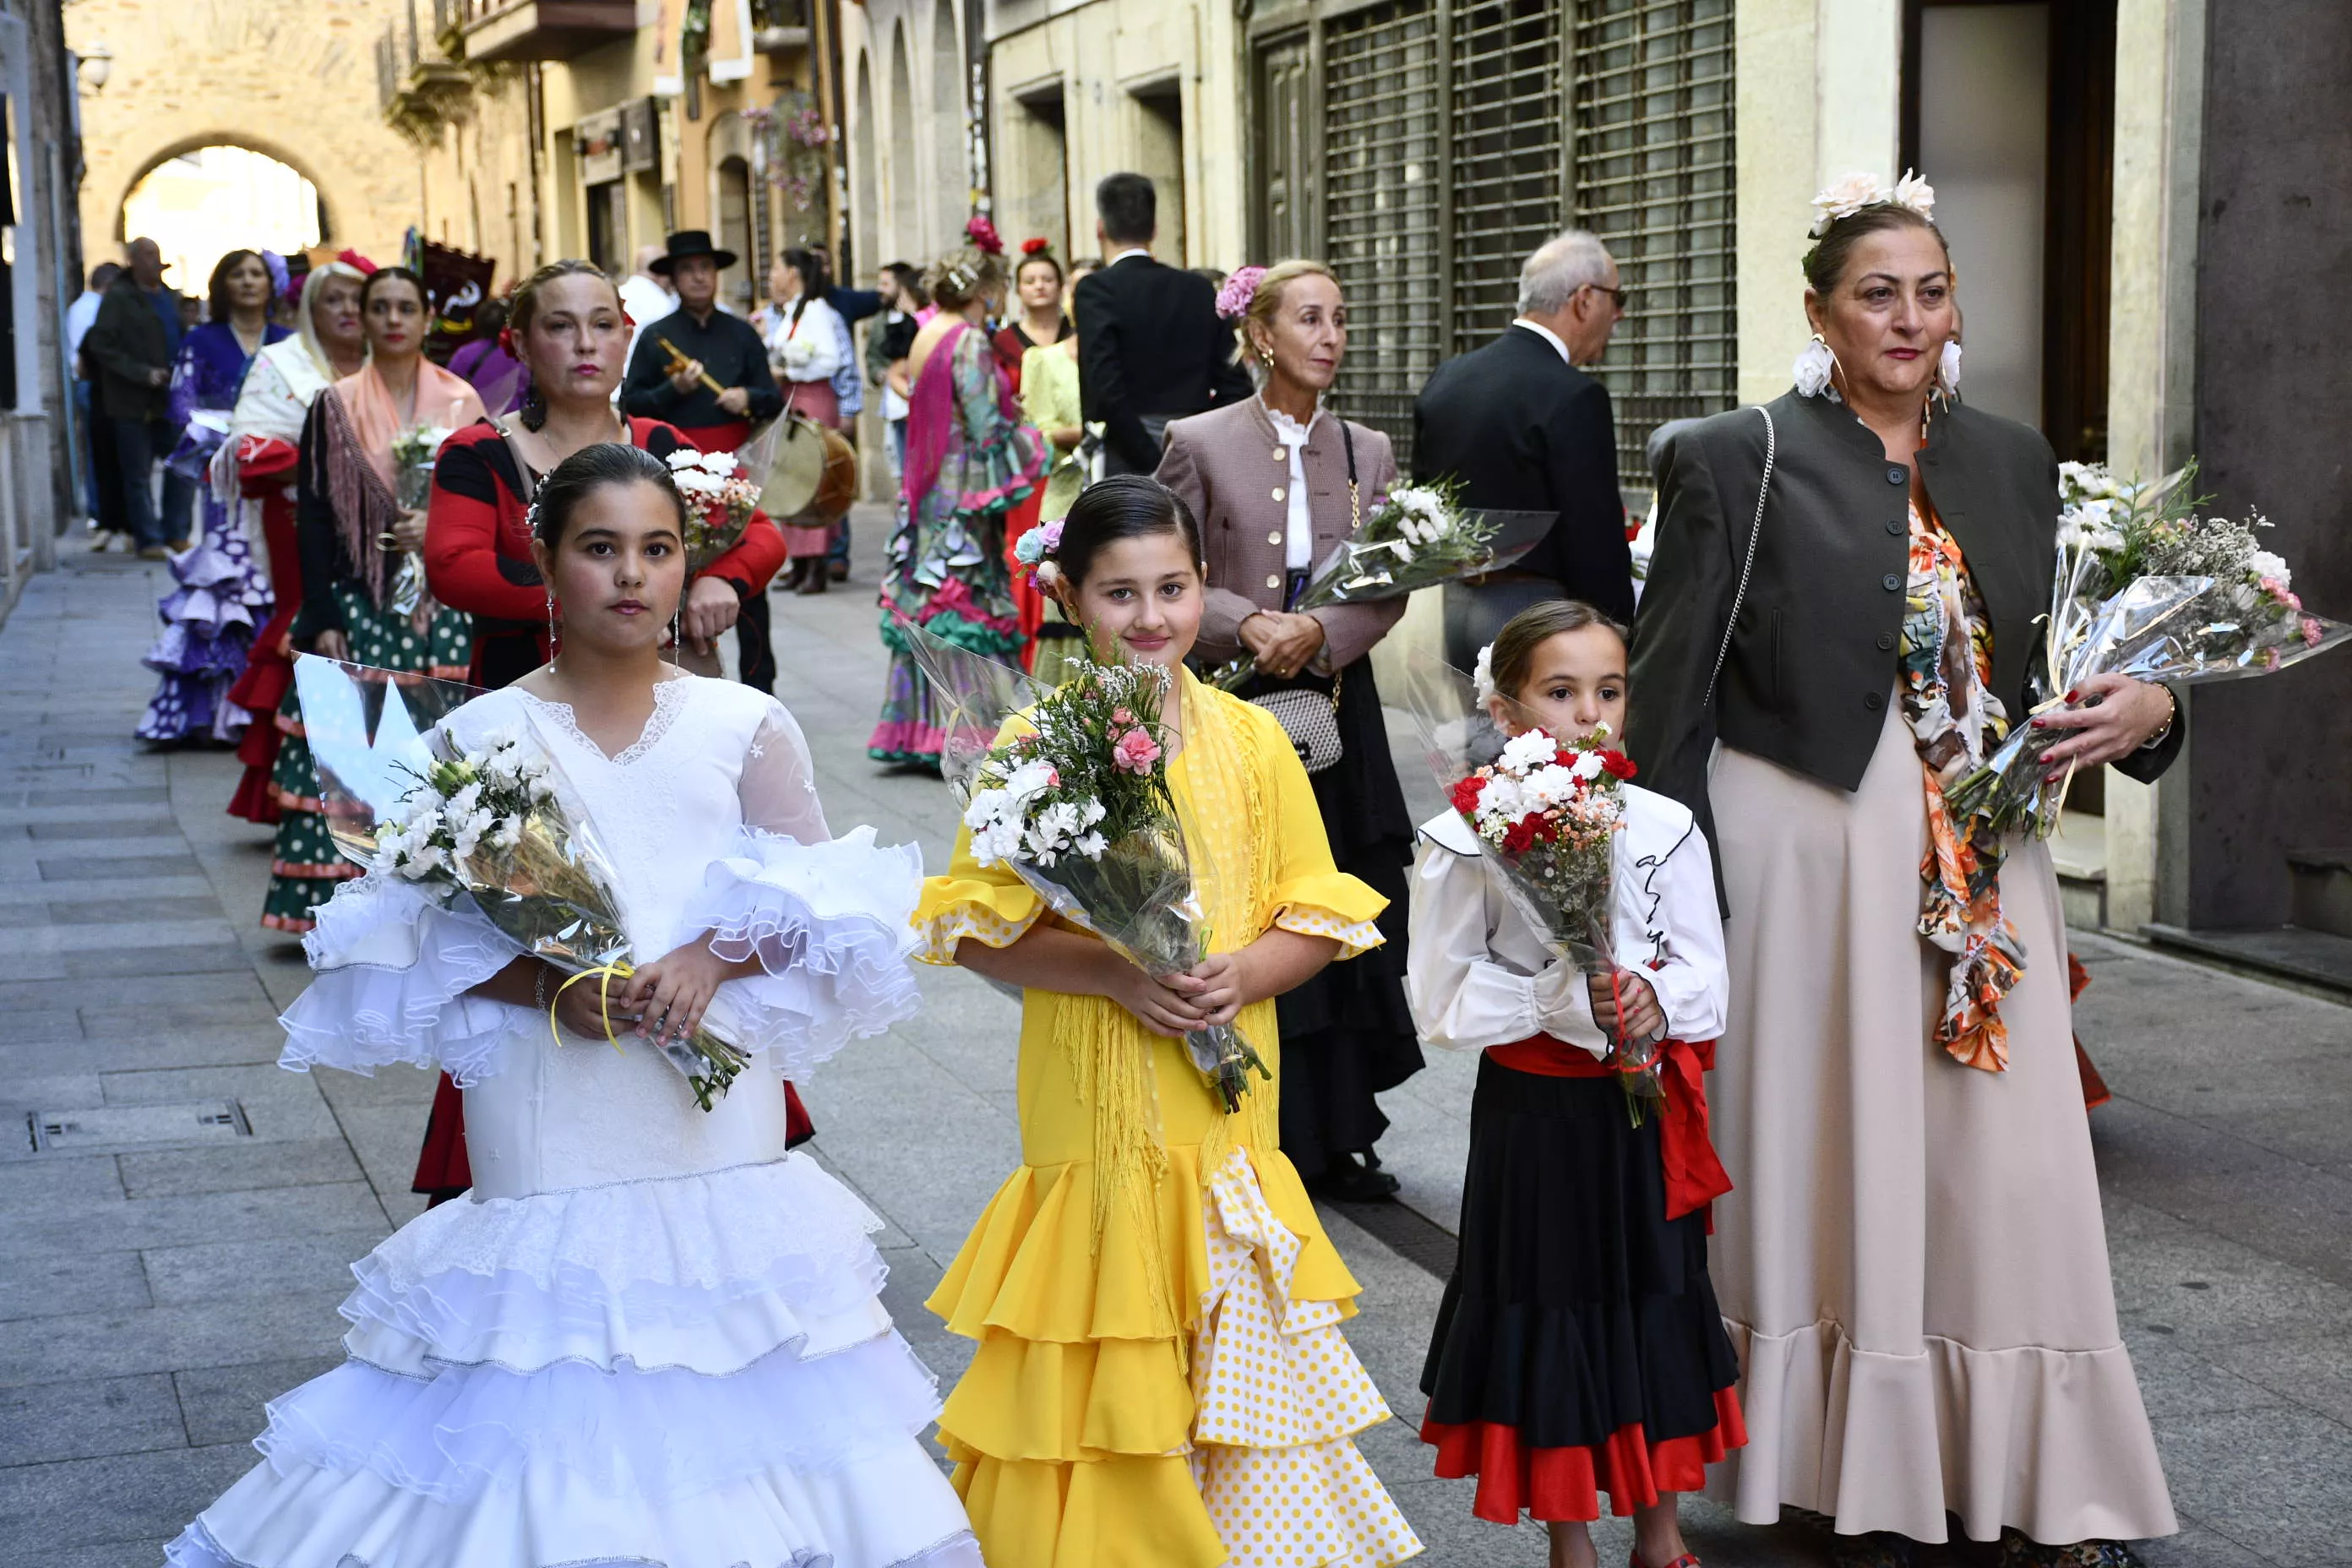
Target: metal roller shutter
point(1654, 178)
point(1381, 148)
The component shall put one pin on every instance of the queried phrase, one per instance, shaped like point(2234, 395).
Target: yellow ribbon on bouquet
point(603, 974)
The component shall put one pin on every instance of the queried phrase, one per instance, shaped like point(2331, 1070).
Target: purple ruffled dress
point(221, 589)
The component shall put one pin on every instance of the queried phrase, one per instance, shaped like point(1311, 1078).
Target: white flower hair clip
point(1858, 191)
point(1482, 676)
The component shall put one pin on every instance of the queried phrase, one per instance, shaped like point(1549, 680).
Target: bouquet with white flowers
point(2149, 587)
point(413, 452)
point(1418, 536)
point(1070, 788)
point(489, 824)
point(720, 499)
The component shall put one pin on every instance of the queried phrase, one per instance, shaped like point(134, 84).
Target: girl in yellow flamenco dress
point(1162, 1381)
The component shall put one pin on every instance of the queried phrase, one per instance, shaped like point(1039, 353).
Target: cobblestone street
point(177, 1216)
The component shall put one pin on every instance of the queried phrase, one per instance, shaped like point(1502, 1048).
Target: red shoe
point(1687, 1560)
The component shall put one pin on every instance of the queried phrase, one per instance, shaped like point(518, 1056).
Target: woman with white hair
point(255, 464)
point(1523, 428)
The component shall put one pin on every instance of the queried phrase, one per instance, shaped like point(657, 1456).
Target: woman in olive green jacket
point(1913, 1264)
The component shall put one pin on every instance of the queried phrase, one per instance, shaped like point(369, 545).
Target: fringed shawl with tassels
point(1098, 1088)
point(361, 422)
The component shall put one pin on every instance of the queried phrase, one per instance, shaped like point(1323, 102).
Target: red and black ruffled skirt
point(1579, 1350)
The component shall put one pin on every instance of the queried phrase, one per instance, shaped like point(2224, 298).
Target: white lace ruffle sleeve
point(828, 917)
point(394, 970)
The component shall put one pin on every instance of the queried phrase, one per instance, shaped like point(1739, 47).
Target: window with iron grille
point(1653, 179)
point(1381, 152)
point(1507, 130)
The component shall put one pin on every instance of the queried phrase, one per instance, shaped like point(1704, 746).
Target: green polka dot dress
point(306, 866)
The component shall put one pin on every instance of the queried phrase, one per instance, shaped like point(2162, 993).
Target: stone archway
point(215, 204)
point(289, 78)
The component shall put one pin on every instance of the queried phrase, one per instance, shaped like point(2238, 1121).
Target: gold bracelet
point(2164, 730)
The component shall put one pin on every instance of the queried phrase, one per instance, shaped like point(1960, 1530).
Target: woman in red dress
point(566, 325)
point(265, 433)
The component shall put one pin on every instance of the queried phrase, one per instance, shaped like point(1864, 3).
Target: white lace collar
point(1287, 430)
point(669, 695)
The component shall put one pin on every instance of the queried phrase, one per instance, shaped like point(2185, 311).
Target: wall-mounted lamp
point(97, 65)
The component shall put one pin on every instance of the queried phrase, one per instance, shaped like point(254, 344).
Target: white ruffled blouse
point(711, 823)
point(1479, 975)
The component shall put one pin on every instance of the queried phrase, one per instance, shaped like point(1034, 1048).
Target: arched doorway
point(200, 203)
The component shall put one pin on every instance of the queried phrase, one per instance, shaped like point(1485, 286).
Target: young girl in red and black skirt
point(1577, 1349)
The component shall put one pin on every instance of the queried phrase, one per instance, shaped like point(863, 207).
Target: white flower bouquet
point(2149, 587)
point(1418, 536)
point(1070, 790)
point(414, 453)
point(490, 824)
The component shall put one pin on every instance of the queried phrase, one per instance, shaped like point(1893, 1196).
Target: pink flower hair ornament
point(983, 236)
point(1240, 288)
point(1035, 550)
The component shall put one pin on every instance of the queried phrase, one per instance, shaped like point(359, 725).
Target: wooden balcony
point(539, 29)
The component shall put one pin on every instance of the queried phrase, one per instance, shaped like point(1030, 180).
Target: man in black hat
point(716, 347)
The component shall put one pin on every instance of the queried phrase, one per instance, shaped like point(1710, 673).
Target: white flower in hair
point(1915, 192)
point(1858, 191)
point(1843, 200)
point(1482, 676)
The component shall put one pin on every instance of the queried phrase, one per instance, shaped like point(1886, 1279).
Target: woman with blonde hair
point(257, 464)
point(1277, 482)
point(970, 459)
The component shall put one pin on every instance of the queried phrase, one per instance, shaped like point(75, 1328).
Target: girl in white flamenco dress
point(652, 1338)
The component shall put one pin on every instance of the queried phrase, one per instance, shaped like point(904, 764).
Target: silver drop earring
point(551, 628)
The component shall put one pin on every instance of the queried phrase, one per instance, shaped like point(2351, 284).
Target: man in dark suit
point(1151, 345)
point(1525, 430)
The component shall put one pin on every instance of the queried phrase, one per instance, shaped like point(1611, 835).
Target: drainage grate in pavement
point(117, 1126)
point(1408, 1233)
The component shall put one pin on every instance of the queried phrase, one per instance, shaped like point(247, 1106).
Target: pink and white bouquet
point(1072, 794)
point(720, 497)
point(2147, 586)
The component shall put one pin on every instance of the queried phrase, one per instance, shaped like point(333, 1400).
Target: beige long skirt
point(1913, 1265)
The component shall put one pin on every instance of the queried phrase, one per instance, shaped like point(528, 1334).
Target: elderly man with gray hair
point(1523, 429)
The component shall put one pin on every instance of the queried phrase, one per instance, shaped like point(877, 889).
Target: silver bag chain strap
point(1763, 489)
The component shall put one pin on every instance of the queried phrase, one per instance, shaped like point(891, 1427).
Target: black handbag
point(1308, 708)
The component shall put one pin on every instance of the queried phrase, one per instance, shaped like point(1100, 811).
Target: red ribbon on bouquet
point(1695, 1177)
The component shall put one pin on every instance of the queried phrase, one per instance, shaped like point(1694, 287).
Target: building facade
point(595, 128)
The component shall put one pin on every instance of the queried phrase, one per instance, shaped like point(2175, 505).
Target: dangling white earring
point(1814, 368)
point(1948, 370)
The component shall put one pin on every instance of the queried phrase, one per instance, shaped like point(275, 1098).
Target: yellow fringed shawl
point(1259, 859)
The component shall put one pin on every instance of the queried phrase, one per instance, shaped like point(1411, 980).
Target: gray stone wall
point(2270, 769)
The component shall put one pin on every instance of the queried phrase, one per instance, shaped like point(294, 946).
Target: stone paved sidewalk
point(155, 1290)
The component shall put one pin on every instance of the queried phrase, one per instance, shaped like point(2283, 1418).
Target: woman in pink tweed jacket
point(1270, 480)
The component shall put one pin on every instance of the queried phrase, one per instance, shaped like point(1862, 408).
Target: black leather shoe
point(1349, 1182)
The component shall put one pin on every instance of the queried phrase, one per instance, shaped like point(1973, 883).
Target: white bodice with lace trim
point(709, 823)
